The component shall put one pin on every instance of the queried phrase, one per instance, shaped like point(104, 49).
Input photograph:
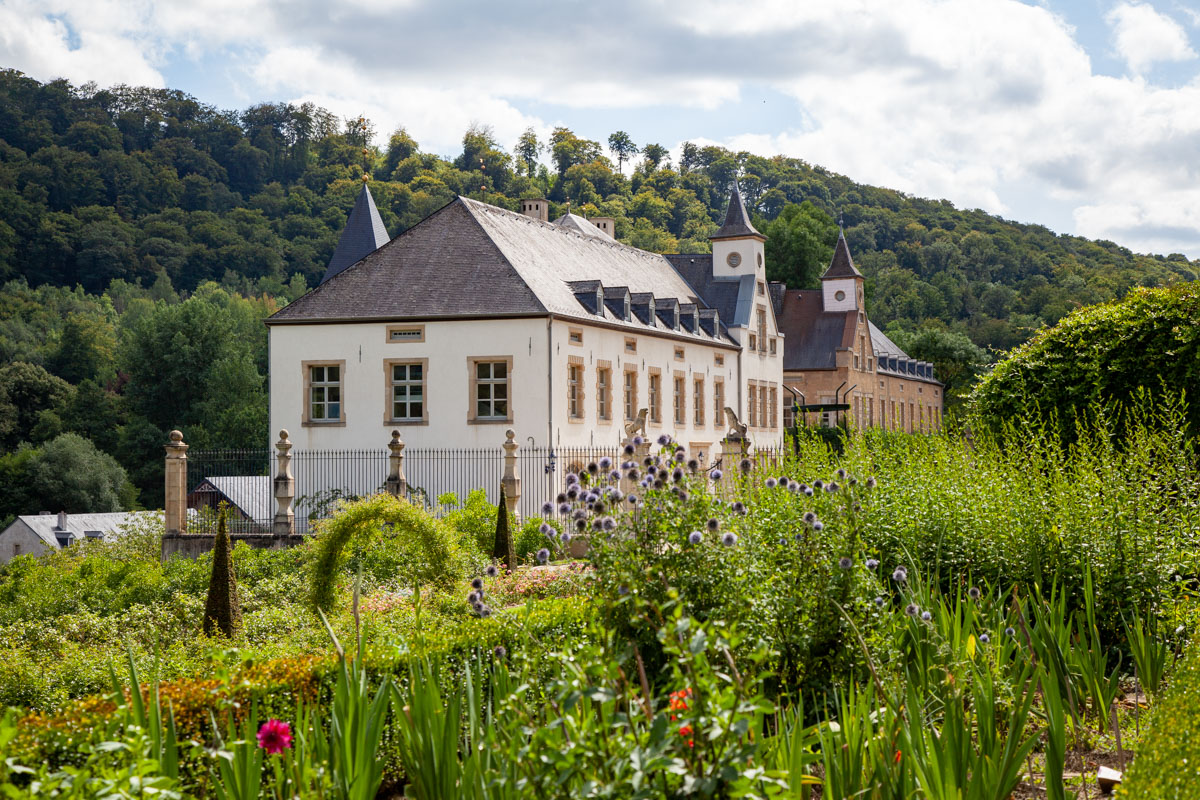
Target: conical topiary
point(503, 548)
point(221, 610)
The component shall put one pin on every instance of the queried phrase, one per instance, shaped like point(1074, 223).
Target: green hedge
point(1167, 766)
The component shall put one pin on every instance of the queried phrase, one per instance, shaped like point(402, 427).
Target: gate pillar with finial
point(285, 488)
point(510, 482)
point(397, 483)
point(175, 497)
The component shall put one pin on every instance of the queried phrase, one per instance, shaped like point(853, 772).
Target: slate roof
point(882, 345)
point(842, 265)
point(109, 525)
point(721, 293)
point(579, 224)
point(737, 221)
point(812, 335)
point(471, 259)
point(363, 234)
point(252, 495)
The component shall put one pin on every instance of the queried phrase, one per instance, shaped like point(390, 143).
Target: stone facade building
point(835, 354)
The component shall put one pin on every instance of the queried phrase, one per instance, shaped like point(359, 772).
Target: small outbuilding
point(36, 534)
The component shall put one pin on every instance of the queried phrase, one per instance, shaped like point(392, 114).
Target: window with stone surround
point(629, 393)
point(655, 395)
point(679, 398)
point(718, 401)
point(575, 388)
point(604, 391)
point(698, 402)
point(323, 392)
point(407, 400)
point(490, 389)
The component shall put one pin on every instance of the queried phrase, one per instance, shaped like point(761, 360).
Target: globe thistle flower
point(472, 598)
point(622, 590)
point(605, 462)
point(477, 607)
point(879, 602)
point(900, 575)
point(771, 483)
point(564, 509)
point(565, 538)
point(632, 499)
point(840, 474)
point(729, 538)
point(713, 523)
point(562, 498)
point(693, 464)
point(745, 465)
point(658, 484)
point(629, 449)
point(609, 524)
point(599, 507)
point(477, 583)
point(593, 467)
point(652, 470)
point(546, 529)
point(925, 615)
point(973, 593)
point(799, 537)
point(633, 475)
point(715, 474)
point(912, 609)
point(679, 456)
point(664, 440)
point(832, 487)
point(845, 562)
point(681, 494)
point(677, 474)
point(572, 493)
point(871, 483)
point(818, 484)
point(485, 612)
point(638, 440)
point(739, 508)
point(543, 555)
point(645, 483)
point(648, 461)
point(853, 481)
point(492, 571)
point(984, 638)
point(571, 479)
point(818, 526)
point(872, 563)
point(617, 495)
point(581, 525)
point(809, 517)
point(547, 508)
point(499, 652)
point(597, 524)
point(794, 487)
point(1010, 631)
point(579, 513)
point(695, 537)
point(614, 475)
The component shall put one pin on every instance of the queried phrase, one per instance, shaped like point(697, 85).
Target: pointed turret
point(842, 265)
point(737, 221)
point(364, 233)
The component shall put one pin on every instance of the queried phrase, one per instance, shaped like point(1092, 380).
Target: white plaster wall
point(652, 352)
point(749, 249)
point(447, 346)
point(19, 533)
point(830, 287)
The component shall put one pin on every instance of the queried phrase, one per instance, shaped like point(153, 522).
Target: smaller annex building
point(835, 354)
point(35, 534)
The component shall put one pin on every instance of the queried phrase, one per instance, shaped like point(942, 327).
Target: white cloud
point(1143, 36)
point(989, 103)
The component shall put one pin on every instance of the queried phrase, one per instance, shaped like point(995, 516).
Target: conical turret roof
point(737, 221)
point(842, 265)
point(364, 233)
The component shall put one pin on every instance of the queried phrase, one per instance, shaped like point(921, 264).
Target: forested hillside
point(144, 234)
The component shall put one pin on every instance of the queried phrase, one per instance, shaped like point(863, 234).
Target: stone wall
point(191, 545)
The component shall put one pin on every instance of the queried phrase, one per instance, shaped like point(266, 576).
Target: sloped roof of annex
point(474, 260)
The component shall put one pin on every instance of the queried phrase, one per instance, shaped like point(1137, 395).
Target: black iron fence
point(243, 479)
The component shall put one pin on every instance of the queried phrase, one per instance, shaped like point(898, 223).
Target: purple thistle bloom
point(543, 555)
point(900, 575)
point(695, 537)
point(562, 498)
point(614, 476)
point(651, 470)
point(645, 483)
point(547, 508)
point(984, 638)
point(809, 517)
point(793, 487)
point(485, 612)
point(571, 479)
point(693, 464)
point(745, 466)
point(808, 491)
point(546, 529)
point(912, 609)
point(739, 508)
point(634, 475)
point(472, 598)
point(925, 615)
point(638, 440)
point(597, 524)
point(566, 538)
point(599, 507)
point(871, 483)
point(605, 462)
point(840, 474)
point(564, 509)
point(872, 563)
point(818, 526)
point(477, 583)
point(572, 493)
point(617, 495)
point(1010, 631)
point(629, 449)
point(658, 484)
point(579, 513)
point(477, 607)
point(799, 537)
point(580, 525)
point(622, 590)
point(633, 500)
point(500, 652)
point(831, 487)
point(818, 484)
point(593, 467)
point(713, 523)
point(729, 539)
point(609, 524)
point(492, 571)
point(677, 474)
point(879, 602)
point(664, 440)
point(771, 483)
point(853, 481)
point(845, 562)
point(973, 593)
point(681, 494)
point(648, 461)
point(715, 474)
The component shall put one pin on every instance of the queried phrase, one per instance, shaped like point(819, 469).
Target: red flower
point(275, 736)
point(897, 756)
point(685, 731)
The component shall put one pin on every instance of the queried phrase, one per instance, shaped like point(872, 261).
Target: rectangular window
point(762, 328)
point(604, 393)
point(698, 402)
point(406, 394)
point(719, 359)
point(718, 401)
point(629, 394)
point(679, 397)
point(575, 336)
point(762, 288)
point(655, 397)
point(762, 406)
point(753, 342)
point(630, 345)
point(489, 391)
point(773, 399)
point(323, 393)
point(788, 416)
point(575, 391)
point(751, 405)
point(773, 345)
point(406, 333)
point(679, 354)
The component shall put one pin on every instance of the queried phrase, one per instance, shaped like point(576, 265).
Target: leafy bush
point(474, 520)
point(1167, 766)
point(1149, 341)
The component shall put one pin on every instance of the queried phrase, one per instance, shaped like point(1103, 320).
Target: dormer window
point(667, 311)
point(590, 295)
point(616, 298)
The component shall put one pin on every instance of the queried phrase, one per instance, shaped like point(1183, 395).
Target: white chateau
point(480, 319)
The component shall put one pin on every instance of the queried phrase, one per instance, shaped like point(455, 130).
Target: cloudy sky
point(1082, 115)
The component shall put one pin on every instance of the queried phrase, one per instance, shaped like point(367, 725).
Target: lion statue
point(637, 425)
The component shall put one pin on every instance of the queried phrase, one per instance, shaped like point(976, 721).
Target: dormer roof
point(842, 265)
point(364, 234)
point(737, 221)
point(574, 222)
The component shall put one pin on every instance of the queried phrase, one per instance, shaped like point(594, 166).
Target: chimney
point(606, 224)
point(62, 521)
point(536, 207)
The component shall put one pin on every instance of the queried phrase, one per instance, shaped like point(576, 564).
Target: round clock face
point(733, 259)
point(839, 296)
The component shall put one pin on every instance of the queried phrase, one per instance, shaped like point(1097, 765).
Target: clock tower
point(737, 246)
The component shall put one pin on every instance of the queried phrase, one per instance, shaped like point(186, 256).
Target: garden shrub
point(221, 610)
point(419, 549)
point(1167, 765)
point(474, 519)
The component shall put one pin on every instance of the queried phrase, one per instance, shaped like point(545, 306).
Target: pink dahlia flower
point(275, 736)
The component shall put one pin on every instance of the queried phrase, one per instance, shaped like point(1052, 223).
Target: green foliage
point(222, 612)
point(957, 361)
point(65, 474)
point(1118, 354)
point(1167, 766)
point(799, 245)
point(425, 552)
point(503, 548)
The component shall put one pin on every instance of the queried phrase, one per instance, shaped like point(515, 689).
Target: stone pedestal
point(175, 498)
point(397, 483)
point(510, 480)
point(285, 488)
